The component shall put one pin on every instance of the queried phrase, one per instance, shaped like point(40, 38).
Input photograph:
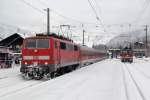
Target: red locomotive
point(50, 55)
point(127, 55)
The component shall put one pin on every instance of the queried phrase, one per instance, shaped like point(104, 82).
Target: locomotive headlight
point(25, 63)
point(46, 63)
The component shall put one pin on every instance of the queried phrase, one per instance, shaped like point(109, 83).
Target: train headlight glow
point(46, 63)
point(28, 57)
point(25, 63)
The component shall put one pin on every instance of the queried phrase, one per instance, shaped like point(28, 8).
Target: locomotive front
point(36, 57)
point(127, 55)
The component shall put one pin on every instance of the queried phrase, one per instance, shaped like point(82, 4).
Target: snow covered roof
point(12, 40)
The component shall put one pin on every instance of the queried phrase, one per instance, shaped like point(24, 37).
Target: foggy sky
point(112, 12)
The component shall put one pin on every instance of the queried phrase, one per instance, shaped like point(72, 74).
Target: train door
point(77, 54)
point(57, 46)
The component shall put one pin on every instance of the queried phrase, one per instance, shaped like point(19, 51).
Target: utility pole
point(146, 29)
point(48, 21)
point(83, 35)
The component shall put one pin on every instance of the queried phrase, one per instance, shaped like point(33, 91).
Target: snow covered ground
point(106, 80)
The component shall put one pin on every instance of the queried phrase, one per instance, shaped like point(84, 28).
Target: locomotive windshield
point(37, 43)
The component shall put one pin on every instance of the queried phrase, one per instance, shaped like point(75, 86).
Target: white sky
point(113, 14)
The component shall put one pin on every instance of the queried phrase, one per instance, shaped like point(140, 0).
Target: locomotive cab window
point(41, 43)
point(62, 45)
point(30, 44)
point(37, 43)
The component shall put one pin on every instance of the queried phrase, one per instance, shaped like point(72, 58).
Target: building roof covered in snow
point(14, 39)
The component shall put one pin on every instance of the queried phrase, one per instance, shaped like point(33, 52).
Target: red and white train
point(51, 55)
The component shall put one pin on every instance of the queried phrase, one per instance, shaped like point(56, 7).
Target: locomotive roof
point(54, 36)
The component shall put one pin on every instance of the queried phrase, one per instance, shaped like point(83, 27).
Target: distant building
point(139, 49)
point(13, 42)
point(100, 47)
point(114, 53)
point(139, 45)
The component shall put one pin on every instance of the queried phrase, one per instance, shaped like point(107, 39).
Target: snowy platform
point(106, 80)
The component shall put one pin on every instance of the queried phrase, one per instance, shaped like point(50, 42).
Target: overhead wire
point(68, 18)
point(142, 11)
point(99, 9)
point(65, 17)
point(96, 14)
point(39, 10)
point(33, 7)
point(94, 10)
point(100, 13)
point(98, 6)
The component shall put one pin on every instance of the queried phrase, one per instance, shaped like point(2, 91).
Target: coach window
point(70, 47)
point(62, 45)
point(76, 48)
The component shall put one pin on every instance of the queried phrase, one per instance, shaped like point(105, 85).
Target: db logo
point(35, 50)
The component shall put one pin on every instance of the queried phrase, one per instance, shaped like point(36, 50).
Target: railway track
point(126, 69)
point(11, 81)
point(142, 72)
point(3, 77)
point(17, 88)
point(125, 84)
